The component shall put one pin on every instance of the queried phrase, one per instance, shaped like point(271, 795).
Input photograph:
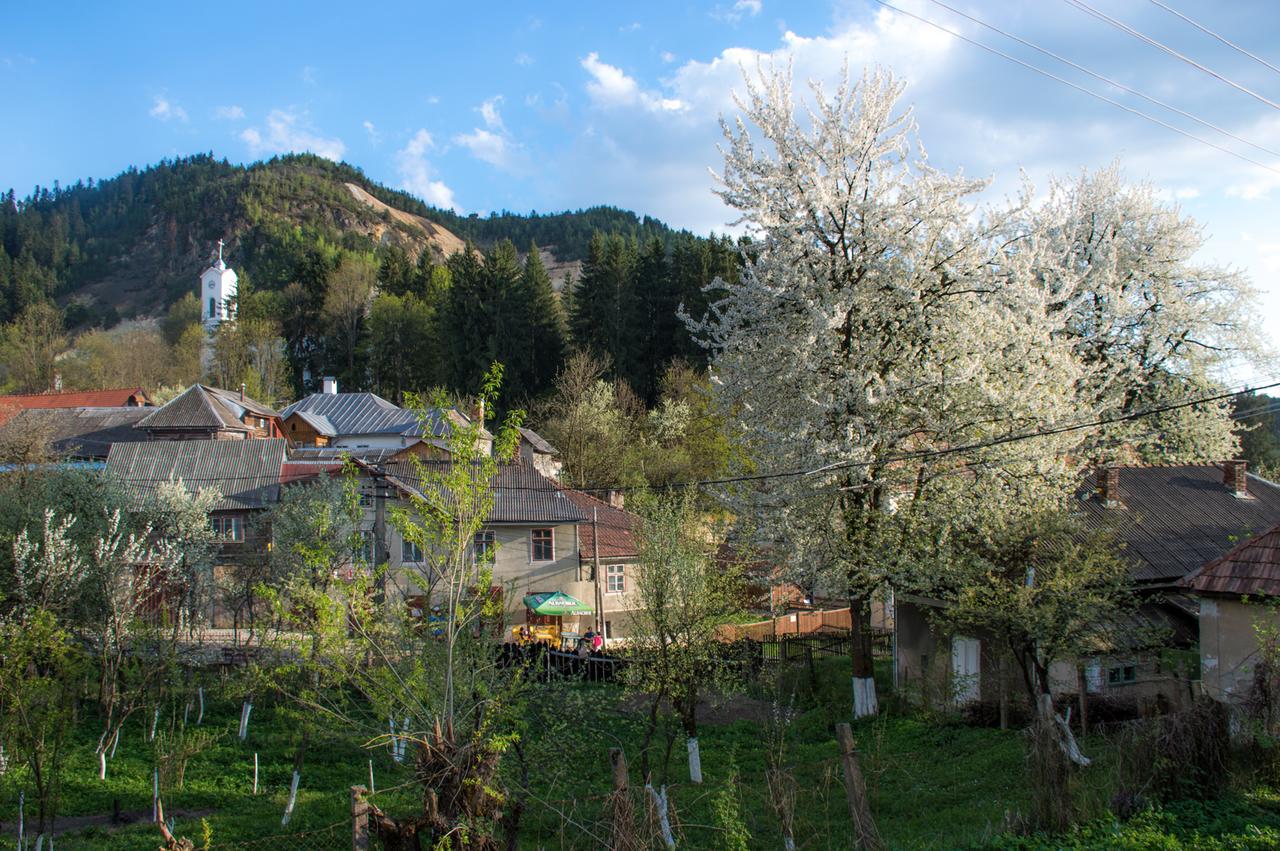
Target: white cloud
point(748, 7)
point(611, 87)
point(667, 56)
point(289, 131)
point(489, 112)
point(308, 75)
point(740, 9)
point(165, 110)
point(416, 172)
point(523, 59)
point(374, 136)
point(487, 147)
point(228, 113)
point(492, 143)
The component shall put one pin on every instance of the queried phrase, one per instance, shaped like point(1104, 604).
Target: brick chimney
point(1109, 486)
point(1235, 476)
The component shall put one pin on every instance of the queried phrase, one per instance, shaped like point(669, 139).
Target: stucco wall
point(1229, 645)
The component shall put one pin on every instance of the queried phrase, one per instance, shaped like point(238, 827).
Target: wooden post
point(855, 789)
point(359, 819)
point(1082, 687)
point(623, 833)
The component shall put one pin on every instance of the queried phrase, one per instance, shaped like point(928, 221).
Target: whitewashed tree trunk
point(864, 697)
point(22, 823)
point(245, 709)
point(664, 822)
point(255, 773)
point(115, 740)
point(155, 795)
point(200, 698)
point(1062, 727)
point(102, 765)
point(371, 788)
point(695, 760)
point(155, 722)
point(293, 799)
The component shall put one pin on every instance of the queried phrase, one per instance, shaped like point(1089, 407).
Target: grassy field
point(932, 784)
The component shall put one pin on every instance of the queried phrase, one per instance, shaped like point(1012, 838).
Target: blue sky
point(524, 106)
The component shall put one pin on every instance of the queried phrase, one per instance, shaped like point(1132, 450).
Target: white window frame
point(484, 545)
point(618, 572)
point(551, 533)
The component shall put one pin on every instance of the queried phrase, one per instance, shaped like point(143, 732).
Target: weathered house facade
point(1167, 522)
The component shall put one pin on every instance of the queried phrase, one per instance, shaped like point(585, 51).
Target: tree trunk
point(864, 683)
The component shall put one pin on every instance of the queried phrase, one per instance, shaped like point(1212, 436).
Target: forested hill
point(133, 244)
point(338, 276)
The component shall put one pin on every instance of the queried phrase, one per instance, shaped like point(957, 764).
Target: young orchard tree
point(1048, 590)
point(878, 316)
point(317, 540)
point(430, 686)
point(685, 596)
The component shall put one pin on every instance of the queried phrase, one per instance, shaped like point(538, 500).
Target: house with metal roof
point(81, 434)
point(535, 451)
point(365, 423)
point(210, 413)
point(1167, 522)
point(609, 553)
point(121, 397)
point(1238, 592)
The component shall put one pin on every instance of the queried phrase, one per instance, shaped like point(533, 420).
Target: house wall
point(302, 434)
point(1229, 645)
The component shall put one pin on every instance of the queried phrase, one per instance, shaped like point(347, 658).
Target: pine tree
point(603, 301)
point(546, 329)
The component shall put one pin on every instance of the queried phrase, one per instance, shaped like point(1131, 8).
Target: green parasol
point(556, 603)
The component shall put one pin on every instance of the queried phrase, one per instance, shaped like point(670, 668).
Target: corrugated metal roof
point(1175, 519)
point(1252, 567)
point(319, 422)
point(204, 408)
point(85, 432)
point(520, 493)
point(245, 472)
point(115, 398)
point(369, 413)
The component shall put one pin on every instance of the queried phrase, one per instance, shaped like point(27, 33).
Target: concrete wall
point(1229, 645)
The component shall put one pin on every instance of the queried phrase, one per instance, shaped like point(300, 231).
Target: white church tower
point(217, 293)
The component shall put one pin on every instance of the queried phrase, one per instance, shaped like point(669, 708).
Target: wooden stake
point(359, 819)
point(855, 790)
point(623, 812)
point(255, 772)
point(372, 788)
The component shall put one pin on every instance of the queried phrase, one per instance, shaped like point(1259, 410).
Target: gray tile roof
point(538, 442)
point(84, 432)
point(369, 413)
point(205, 408)
point(245, 472)
point(520, 493)
point(1175, 519)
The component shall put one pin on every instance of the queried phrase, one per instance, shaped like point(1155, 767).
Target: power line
point(1102, 16)
point(1213, 34)
point(1080, 88)
point(1108, 80)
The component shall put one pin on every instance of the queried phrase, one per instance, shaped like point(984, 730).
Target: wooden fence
point(806, 623)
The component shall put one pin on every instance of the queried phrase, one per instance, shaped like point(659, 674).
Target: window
point(1122, 674)
point(213, 313)
point(365, 549)
point(410, 553)
point(541, 545)
point(608, 629)
point(228, 527)
point(484, 545)
point(615, 579)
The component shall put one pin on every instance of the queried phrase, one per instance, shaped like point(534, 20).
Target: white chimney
point(329, 385)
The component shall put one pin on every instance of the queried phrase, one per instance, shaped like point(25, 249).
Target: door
point(965, 668)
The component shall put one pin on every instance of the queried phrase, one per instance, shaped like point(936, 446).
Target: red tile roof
point(121, 397)
point(1252, 567)
point(617, 538)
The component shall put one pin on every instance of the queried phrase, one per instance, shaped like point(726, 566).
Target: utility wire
point(1080, 88)
point(1108, 80)
point(1102, 16)
point(1213, 34)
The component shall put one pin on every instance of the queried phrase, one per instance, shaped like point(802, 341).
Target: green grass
point(932, 784)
